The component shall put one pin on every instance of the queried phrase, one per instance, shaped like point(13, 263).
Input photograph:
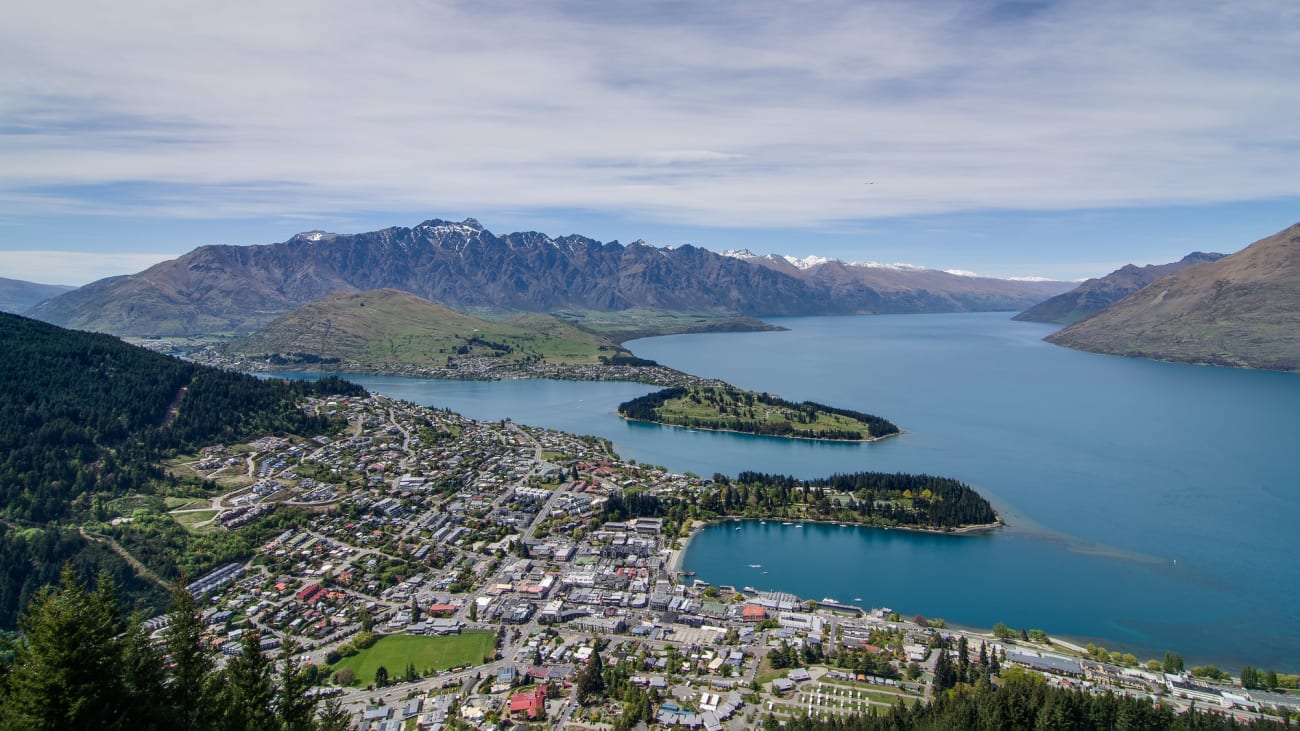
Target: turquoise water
point(1152, 506)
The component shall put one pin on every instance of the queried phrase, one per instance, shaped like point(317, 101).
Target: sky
point(1053, 139)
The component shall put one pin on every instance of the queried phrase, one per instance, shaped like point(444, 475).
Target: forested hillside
point(84, 418)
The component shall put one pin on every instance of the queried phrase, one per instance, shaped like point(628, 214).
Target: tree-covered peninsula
point(726, 408)
point(919, 502)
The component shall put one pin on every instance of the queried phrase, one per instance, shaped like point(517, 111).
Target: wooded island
point(724, 408)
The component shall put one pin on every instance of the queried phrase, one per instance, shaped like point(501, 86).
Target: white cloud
point(73, 267)
point(772, 114)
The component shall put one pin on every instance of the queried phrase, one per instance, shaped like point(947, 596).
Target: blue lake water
point(1152, 506)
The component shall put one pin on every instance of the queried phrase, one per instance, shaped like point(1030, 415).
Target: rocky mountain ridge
point(237, 289)
point(1095, 295)
point(1242, 310)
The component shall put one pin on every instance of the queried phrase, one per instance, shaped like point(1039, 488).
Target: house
point(753, 613)
point(529, 704)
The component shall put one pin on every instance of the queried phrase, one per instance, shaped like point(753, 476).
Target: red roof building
point(753, 613)
point(529, 704)
point(309, 593)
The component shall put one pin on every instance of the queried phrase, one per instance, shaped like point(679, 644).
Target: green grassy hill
point(391, 328)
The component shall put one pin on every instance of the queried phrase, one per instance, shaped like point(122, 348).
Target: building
point(530, 705)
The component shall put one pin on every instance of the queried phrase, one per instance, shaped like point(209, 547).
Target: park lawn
point(192, 519)
point(436, 653)
point(186, 503)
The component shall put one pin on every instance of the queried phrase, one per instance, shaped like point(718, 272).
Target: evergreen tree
point(293, 705)
point(68, 662)
point(245, 692)
point(191, 667)
point(333, 717)
point(591, 679)
point(381, 676)
point(945, 676)
point(1173, 662)
point(145, 679)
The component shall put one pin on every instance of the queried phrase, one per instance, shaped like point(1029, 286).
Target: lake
point(1151, 506)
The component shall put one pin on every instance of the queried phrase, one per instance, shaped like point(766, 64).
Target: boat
point(857, 598)
point(829, 600)
point(765, 572)
point(798, 525)
point(756, 565)
point(787, 523)
point(762, 522)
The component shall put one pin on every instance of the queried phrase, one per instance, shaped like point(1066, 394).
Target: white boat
point(756, 565)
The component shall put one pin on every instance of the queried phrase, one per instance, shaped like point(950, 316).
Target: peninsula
point(726, 408)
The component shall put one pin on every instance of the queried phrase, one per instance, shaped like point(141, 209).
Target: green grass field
point(186, 503)
point(394, 652)
point(190, 520)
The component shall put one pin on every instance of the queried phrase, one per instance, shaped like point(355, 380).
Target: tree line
point(875, 498)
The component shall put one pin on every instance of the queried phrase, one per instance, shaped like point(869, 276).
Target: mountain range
point(1095, 295)
point(238, 289)
point(17, 296)
point(1241, 310)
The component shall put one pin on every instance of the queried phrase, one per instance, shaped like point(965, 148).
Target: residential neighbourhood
point(475, 561)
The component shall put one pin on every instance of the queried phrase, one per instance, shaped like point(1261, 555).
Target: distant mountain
point(1242, 310)
point(391, 327)
point(905, 288)
point(238, 289)
point(17, 296)
point(1095, 295)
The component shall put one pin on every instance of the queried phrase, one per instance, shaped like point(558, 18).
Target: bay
point(1151, 506)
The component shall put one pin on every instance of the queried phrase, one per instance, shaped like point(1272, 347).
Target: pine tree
point(191, 668)
point(245, 693)
point(591, 680)
point(334, 717)
point(68, 662)
point(292, 703)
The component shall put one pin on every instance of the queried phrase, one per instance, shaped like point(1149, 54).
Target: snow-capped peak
point(808, 262)
point(739, 254)
point(315, 235)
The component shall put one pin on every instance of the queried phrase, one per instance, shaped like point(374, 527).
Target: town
point(457, 573)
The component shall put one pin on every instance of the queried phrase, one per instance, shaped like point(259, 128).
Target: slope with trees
point(85, 419)
point(869, 498)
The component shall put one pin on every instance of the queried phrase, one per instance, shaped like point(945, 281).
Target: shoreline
point(867, 440)
point(676, 556)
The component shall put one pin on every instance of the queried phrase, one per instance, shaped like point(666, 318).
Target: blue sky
point(1058, 139)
